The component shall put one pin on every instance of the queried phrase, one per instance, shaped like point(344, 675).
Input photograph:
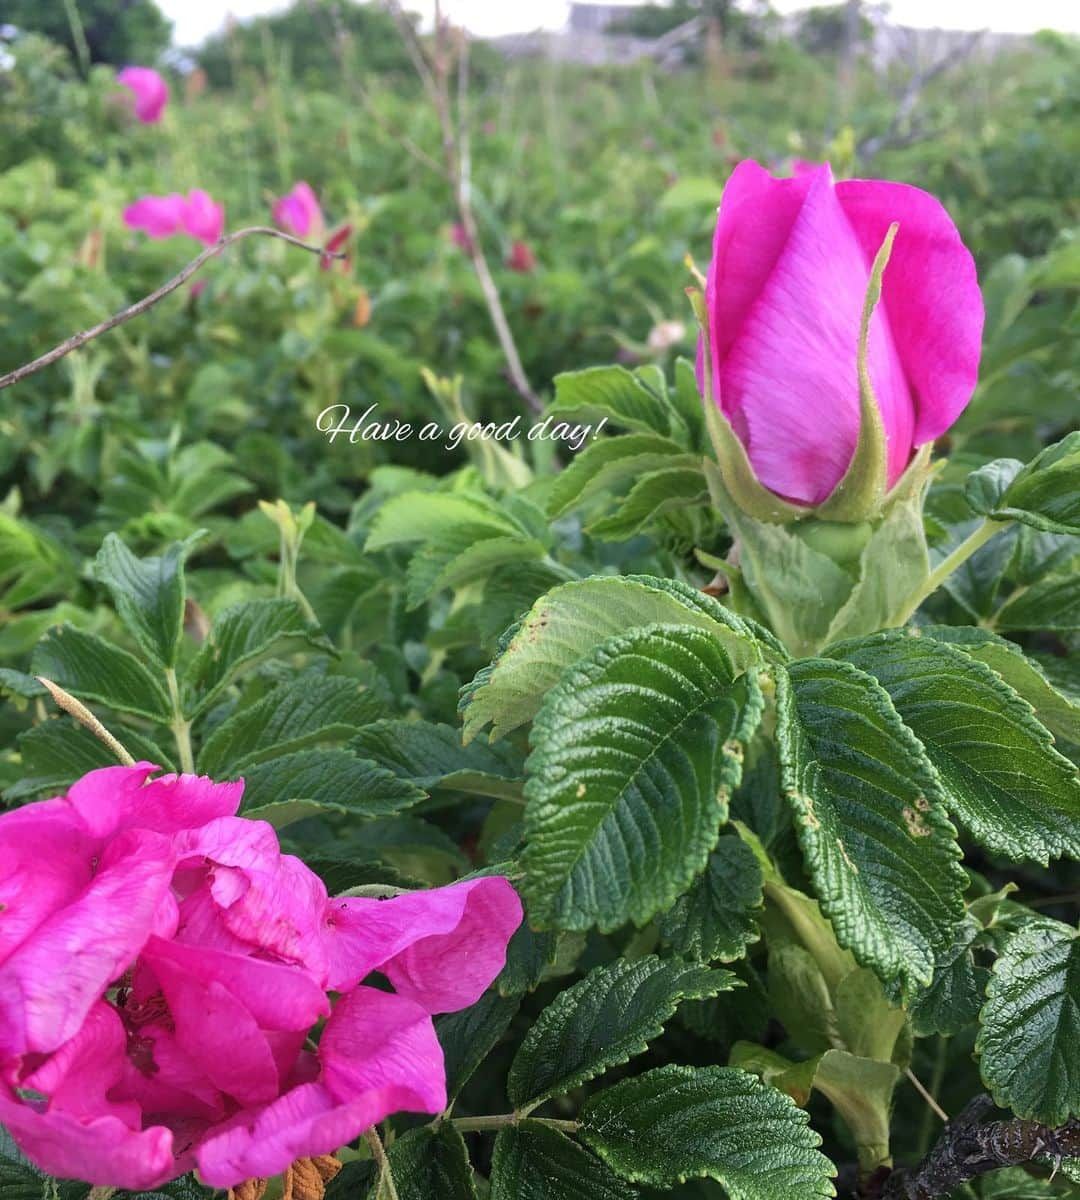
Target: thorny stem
point(435, 77)
point(141, 306)
point(84, 716)
point(181, 728)
point(946, 567)
point(386, 1188)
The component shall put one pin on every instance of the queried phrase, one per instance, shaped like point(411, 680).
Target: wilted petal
point(157, 216)
point(930, 292)
point(441, 948)
point(149, 91)
point(790, 381)
point(87, 944)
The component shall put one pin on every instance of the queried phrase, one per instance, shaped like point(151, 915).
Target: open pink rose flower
point(196, 214)
point(785, 292)
point(149, 92)
point(164, 969)
point(299, 213)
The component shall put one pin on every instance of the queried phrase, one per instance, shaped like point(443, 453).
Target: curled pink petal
point(100, 1150)
point(150, 93)
point(441, 948)
point(115, 798)
point(298, 212)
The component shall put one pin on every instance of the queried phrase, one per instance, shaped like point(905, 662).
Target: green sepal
point(734, 480)
point(861, 492)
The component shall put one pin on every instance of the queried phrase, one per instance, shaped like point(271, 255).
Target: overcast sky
point(194, 19)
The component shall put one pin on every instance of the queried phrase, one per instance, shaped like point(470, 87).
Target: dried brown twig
point(451, 47)
point(140, 306)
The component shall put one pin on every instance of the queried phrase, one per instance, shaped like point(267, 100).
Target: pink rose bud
point(163, 966)
point(521, 258)
point(204, 220)
point(299, 213)
point(150, 93)
point(785, 293)
point(460, 237)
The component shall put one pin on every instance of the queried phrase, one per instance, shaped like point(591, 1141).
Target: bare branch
point(140, 306)
point(910, 97)
point(969, 1147)
point(436, 76)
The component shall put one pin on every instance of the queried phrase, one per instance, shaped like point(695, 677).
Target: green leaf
point(428, 516)
point(955, 995)
point(148, 594)
point(1051, 604)
point(860, 1089)
point(678, 1123)
point(609, 392)
point(429, 1162)
point(1044, 495)
point(570, 621)
point(303, 712)
point(603, 1020)
point(1029, 1035)
point(93, 669)
point(432, 756)
point(299, 785)
point(240, 636)
point(1058, 712)
point(870, 819)
point(634, 757)
point(468, 1037)
point(535, 1162)
point(613, 461)
point(984, 488)
point(461, 556)
point(654, 494)
point(714, 920)
point(1001, 776)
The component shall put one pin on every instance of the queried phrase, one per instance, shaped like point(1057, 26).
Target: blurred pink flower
point(521, 258)
point(198, 215)
point(162, 964)
point(785, 292)
point(299, 213)
point(150, 93)
point(460, 237)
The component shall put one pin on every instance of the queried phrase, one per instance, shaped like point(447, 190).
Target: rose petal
point(441, 948)
point(930, 292)
point(149, 91)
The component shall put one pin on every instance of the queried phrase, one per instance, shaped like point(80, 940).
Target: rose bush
point(165, 971)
